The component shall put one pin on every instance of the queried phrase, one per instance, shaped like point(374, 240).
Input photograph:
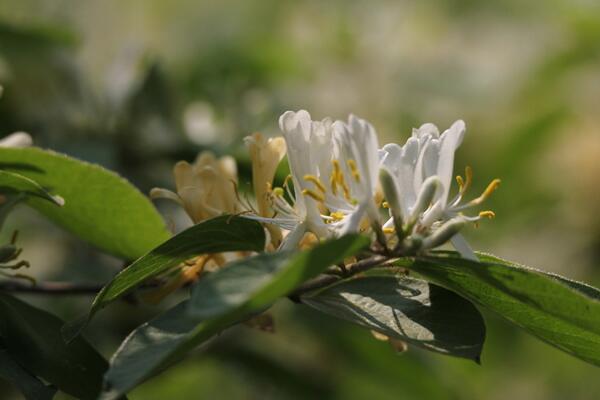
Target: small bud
point(428, 192)
point(17, 139)
point(390, 191)
point(444, 233)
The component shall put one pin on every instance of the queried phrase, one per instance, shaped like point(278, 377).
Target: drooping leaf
point(30, 386)
point(15, 183)
point(561, 312)
point(33, 339)
point(100, 206)
point(412, 310)
point(220, 234)
point(226, 297)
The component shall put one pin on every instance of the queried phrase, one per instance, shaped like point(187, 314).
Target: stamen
point(333, 180)
point(389, 230)
point(354, 170)
point(287, 179)
point(468, 177)
point(311, 193)
point(337, 179)
point(486, 193)
point(385, 204)
point(487, 214)
point(337, 215)
point(461, 183)
point(278, 191)
point(316, 181)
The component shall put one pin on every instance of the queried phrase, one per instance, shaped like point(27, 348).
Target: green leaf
point(31, 387)
point(15, 183)
point(228, 296)
point(217, 235)
point(32, 338)
point(412, 310)
point(561, 312)
point(100, 206)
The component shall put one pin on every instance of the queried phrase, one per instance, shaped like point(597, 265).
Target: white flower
point(423, 170)
point(334, 168)
point(356, 157)
point(17, 139)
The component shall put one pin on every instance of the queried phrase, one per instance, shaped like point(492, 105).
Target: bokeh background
point(138, 85)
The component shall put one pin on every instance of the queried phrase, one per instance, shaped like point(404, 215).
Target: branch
point(326, 280)
point(51, 287)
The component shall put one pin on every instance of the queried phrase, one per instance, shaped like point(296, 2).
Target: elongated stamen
point(286, 185)
point(491, 188)
point(354, 170)
point(337, 179)
point(316, 181)
point(389, 230)
point(311, 193)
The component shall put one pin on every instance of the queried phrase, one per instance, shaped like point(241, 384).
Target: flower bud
point(444, 233)
point(390, 191)
point(428, 192)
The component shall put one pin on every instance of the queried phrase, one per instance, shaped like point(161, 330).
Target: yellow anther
point(486, 193)
point(385, 204)
point(337, 179)
point(389, 230)
point(278, 191)
point(461, 183)
point(487, 214)
point(468, 177)
point(311, 193)
point(316, 181)
point(465, 184)
point(354, 170)
point(337, 215)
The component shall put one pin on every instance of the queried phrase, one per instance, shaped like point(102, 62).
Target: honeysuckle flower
point(309, 146)
point(423, 170)
point(17, 139)
point(205, 189)
point(265, 155)
point(355, 156)
point(333, 169)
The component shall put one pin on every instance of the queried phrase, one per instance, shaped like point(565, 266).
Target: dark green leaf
point(15, 183)
point(31, 387)
point(100, 206)
point(408, 309)
point(32, 338)
point(217, 235)
point(561, 312)
point(164, 340)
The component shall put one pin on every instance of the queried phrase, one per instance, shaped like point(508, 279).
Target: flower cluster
point(341, 182)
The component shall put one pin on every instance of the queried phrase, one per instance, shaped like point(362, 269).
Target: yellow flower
point(205, 189)
point(265, 155)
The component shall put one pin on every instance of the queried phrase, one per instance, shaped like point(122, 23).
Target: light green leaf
point(100, 206)
point(412, 310)
point(32, 338)
point(226, 297)
point(563, 313)
point(15, 183)
point(217, 235)
point(30, 386)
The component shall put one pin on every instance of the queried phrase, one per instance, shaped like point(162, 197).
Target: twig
point(57, 287)
point(326, 280)
point(50, 287)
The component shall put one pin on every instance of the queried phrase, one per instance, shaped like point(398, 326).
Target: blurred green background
point(138, 85)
